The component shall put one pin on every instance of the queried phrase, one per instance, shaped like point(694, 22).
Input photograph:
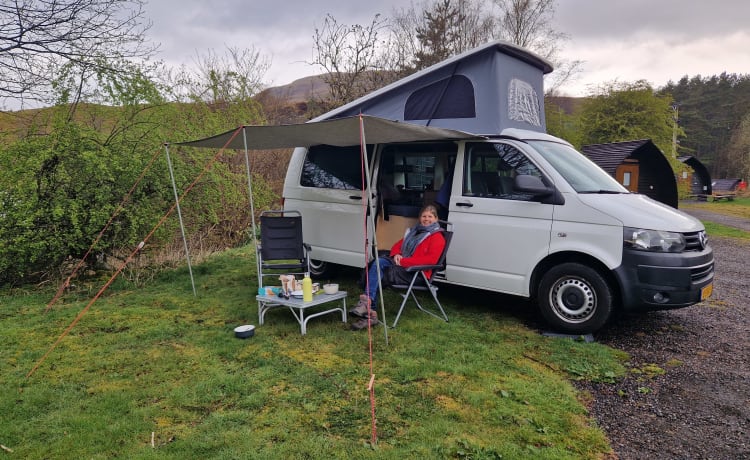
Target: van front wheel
point(574, 298)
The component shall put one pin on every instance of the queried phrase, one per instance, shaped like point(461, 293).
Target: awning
point(338, 132)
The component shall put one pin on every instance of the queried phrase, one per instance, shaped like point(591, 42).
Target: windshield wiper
point(604, 192)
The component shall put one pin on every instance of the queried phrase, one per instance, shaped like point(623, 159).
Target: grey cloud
point(595, 19)
point(283, 31)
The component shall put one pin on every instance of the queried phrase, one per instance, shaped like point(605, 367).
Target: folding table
point(298, 306)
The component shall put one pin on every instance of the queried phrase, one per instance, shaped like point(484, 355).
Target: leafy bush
point(60, 191)
point(63, 182)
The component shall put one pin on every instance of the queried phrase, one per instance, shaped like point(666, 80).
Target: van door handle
point(465, 205)
point(358, 197)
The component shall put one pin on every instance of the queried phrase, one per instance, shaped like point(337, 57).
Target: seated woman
point(421, 245)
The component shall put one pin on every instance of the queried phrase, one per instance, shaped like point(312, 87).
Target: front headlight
point(653, 240)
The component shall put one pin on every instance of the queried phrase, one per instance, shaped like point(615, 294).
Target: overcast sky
point(625, 40)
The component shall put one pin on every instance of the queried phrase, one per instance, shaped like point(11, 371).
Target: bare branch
point(348, 54)
point(529, 23)
point(37, 37)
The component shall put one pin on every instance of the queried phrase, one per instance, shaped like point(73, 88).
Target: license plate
point(706, 291)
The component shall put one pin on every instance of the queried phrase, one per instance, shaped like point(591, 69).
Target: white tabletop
point(295, 302)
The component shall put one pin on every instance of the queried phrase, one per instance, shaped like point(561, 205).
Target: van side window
point(491, 168)
point(327, 166)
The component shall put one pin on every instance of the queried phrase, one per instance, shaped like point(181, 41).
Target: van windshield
point(581, 173)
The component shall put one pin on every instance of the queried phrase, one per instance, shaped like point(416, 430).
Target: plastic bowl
point(243, 332)
point(330, 288)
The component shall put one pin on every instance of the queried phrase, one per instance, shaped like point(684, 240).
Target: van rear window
point(327, 166)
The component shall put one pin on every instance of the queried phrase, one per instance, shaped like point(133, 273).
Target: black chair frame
point(419, 275)
point(281, 249)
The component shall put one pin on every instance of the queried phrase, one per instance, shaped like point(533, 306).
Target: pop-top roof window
point(451, 97)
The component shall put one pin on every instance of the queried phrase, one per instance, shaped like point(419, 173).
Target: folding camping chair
point(421, 282)
point(281, 247)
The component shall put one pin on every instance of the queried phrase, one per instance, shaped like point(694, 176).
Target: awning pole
point(179, 215)
point(252, 208)
point(371, 218)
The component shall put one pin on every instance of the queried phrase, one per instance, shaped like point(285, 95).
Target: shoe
point(362, 323)
point(360, 310)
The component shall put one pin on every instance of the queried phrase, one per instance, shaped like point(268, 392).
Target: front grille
point(693, 241)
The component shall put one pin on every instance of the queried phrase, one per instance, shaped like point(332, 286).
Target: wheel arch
point(321, 270)
point(558, 258)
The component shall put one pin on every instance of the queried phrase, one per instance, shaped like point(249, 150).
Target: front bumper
point(660, 281)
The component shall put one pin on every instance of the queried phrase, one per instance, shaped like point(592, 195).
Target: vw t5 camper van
point(531, 216)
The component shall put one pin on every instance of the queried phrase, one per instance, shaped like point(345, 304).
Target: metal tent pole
point(252, 208)
point(179, 215)
point(371, 218)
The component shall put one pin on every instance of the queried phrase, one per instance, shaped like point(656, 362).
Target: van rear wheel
point(321, 270)
point(575, 298)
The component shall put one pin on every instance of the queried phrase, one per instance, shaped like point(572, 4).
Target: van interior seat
point(506, 185)
point(492, 183)
point(478, 184)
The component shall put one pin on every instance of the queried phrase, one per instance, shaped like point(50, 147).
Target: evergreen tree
point(711, 110)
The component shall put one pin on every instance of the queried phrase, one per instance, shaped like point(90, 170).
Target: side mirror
point(531, 184)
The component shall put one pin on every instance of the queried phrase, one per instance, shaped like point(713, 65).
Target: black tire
point(574, 298)
point(321, 270)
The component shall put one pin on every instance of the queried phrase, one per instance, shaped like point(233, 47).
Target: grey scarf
point(416, 235)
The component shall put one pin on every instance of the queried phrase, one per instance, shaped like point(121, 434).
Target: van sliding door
point(409, 177)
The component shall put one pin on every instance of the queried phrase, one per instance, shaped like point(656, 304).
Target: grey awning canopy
point(339, 132)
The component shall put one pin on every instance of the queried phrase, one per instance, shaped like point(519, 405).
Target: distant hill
point(298, 91)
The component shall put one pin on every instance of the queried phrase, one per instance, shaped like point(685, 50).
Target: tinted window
point(491, 169)
point(327, 166)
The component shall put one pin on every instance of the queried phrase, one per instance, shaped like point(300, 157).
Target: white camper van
point(531, 216)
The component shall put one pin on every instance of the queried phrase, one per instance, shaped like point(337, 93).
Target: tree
point(711, 111)
point(561, 123)
point(359, 59)
point(737, 163)
point(350, 57)
point(528, 23)
point(437, 31)
point(219, 79)
point(629, 111)
point(439, 34)
point(38, 37)
point(62, 177)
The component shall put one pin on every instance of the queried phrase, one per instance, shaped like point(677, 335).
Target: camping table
point(298, 306)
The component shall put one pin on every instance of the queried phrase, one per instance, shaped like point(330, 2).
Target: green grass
point(718, 230)
point(739, 207)
point(158, 360)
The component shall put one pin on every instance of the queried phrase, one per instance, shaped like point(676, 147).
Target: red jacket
point(426, 253)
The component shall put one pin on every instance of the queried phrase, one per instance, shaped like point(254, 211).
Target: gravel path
point(699, 407)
